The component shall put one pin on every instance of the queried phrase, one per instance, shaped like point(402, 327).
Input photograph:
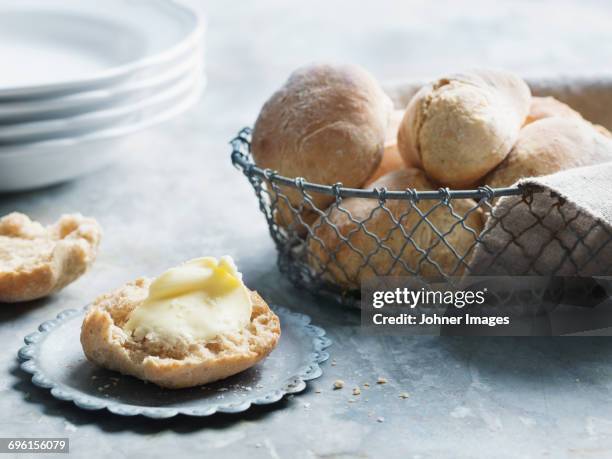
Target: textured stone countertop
point(175, 196)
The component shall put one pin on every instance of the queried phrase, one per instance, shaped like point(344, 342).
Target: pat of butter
point(197, 300)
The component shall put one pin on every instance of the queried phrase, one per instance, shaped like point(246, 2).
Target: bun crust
point(326, 124)
point(460, 127)
point(182, 364)
point(549, 107)
point(36, 261)
point(391, 160)
point(348, 269)
point(551, 145)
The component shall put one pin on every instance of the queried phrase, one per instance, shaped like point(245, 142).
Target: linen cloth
point(562, 227)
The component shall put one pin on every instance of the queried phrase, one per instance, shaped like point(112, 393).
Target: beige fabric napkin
point(563, 228)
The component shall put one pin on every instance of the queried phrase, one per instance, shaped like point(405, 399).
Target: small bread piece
point(339, 262)
point(391, 160)
point(549, 107)
point(326, 124)
point(460, 127)
point(551, 145)
point(36, 261)
point(182, 364)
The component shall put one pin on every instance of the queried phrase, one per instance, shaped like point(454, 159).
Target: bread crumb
point(317, 391)
point(365, 384)
point(69, 427)
point(381, 380)
point(338, 384)
point(404, 395)
point(356, 391)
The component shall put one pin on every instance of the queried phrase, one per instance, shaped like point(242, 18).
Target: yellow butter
point(197, 300)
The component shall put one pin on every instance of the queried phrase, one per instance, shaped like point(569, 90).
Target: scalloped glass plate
point(54, 357)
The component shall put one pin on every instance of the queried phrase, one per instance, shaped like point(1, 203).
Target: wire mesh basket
point(435, 234)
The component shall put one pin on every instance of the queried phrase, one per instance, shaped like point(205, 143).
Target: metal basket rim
point(244, 162)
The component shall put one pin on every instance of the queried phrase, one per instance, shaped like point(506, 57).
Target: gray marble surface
point(175, 196)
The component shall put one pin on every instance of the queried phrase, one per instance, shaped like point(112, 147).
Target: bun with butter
point(36, 261)
point(334, 248)
point(326, 124)
point(551, 145)
point(194, 324)
point(460, 127)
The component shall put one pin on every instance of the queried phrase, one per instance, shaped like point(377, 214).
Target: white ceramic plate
point(65, 46)
point(131, 91)
point(99, 119)
point(46, 163)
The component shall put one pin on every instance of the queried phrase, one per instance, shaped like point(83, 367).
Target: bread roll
point(293, 220)
point(551, 145)
point(36, 261)
point(185, 363)
point(391, 160)
point(460, 127)
point(348, 268)
point(326, 124)
point(549, 107)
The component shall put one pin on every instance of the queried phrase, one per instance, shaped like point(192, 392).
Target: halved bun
point(181, 363)
point(36, 261)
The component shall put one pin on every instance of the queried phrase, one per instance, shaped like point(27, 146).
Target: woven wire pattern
point(330, 249)
point(552, 237)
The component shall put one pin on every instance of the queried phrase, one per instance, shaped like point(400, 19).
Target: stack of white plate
point(77, 77)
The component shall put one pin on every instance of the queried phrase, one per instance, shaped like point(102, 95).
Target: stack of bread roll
point(334, 124)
